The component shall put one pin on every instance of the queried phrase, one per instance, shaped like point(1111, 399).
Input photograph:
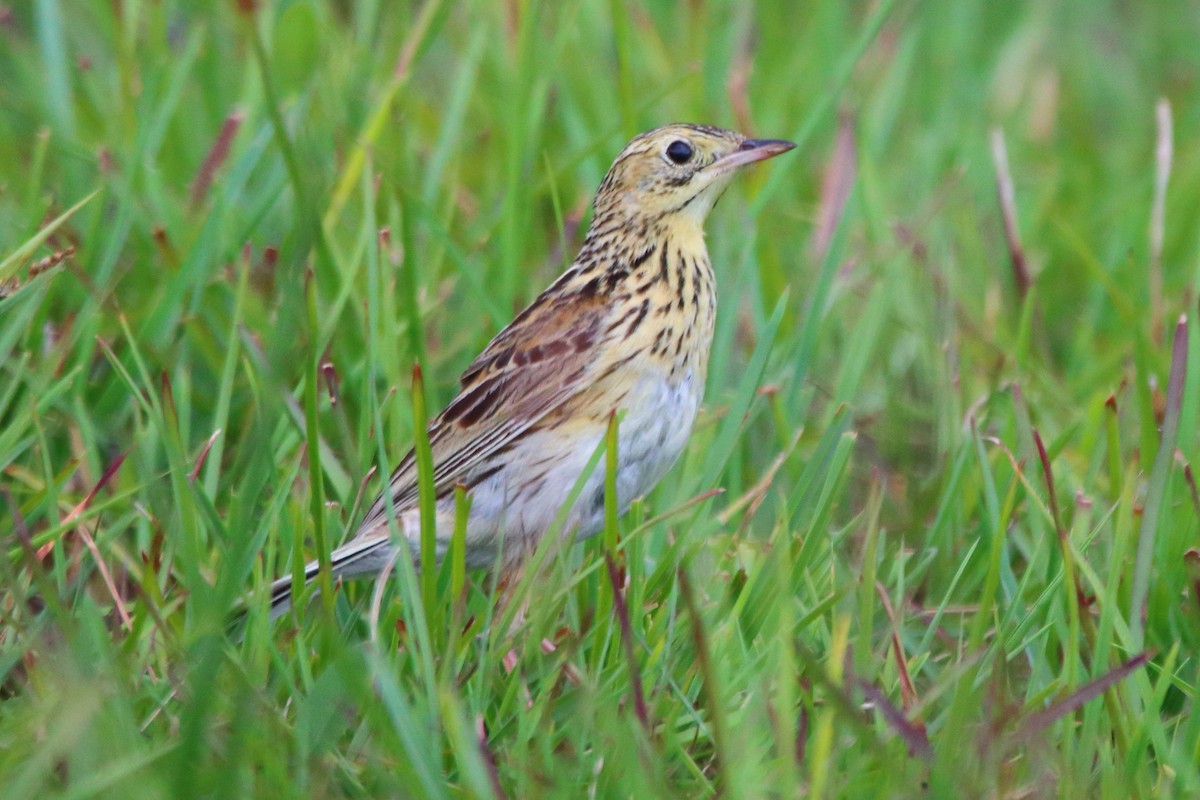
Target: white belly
point(653, 434)
point(521, 502)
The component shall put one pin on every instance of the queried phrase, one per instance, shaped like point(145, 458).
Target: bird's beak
point(752, 150)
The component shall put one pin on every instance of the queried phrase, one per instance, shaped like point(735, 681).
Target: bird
point(626, 328)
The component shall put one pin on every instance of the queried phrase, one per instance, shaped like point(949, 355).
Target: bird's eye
point(679, 151)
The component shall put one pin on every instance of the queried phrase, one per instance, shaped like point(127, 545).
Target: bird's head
point(676, 173)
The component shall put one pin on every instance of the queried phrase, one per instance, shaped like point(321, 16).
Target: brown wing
point(543, 358)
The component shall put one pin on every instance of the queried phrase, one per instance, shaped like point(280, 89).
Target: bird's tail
point(281, 590)
point(361, 556)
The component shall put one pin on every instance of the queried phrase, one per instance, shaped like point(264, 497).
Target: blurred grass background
point(229, 230)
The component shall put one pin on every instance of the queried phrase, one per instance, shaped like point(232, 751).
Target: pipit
point(627, 328)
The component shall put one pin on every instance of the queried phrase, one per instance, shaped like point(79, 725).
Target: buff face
point(678, 169)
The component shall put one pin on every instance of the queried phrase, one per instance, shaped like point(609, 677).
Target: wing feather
point(534, 366)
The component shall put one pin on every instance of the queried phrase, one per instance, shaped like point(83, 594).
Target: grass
point(937, 532)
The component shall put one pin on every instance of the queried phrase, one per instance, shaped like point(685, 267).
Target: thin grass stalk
point(315, 473)
point(1157, 489)
point(427, 498)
